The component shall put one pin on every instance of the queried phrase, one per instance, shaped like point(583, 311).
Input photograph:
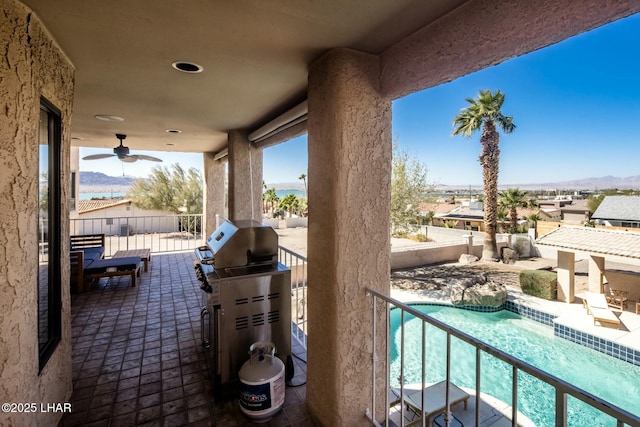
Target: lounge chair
point(435, 402)
point(616, 298)
point(596, 305)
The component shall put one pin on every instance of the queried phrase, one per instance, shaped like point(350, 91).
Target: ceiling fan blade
point(129, 159)
point(97, 156)
point(150, 158)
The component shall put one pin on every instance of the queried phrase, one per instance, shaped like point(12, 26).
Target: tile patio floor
point(138, 360)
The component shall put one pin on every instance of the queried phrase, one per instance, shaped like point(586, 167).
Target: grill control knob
point(199, 272)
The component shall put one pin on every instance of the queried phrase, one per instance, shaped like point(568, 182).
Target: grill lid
point(242, 243)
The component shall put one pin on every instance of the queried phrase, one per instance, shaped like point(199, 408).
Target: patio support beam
point(213, 193)
point(245, 178)
point(481, 33)
point(596, 272)
point(350, 149)
point(566, 276)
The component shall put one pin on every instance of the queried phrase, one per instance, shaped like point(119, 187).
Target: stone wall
point(32, 66)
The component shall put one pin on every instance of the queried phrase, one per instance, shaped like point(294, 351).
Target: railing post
point(373, 357)
point(561, 408)
point(387, 361)
point(514, 397)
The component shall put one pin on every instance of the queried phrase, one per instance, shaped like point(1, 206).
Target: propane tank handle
point(262, 347)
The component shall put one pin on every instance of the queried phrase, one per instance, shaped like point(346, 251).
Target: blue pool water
point(611, 379)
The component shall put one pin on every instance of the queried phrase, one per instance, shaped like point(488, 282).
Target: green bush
point(539, 283)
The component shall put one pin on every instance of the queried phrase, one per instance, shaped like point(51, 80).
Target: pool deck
point(493, 412)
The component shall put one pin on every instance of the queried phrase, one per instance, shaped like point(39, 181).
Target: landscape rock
point(478, 291)
point(467, 259)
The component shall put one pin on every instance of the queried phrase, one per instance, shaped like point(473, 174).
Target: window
point(49, 286)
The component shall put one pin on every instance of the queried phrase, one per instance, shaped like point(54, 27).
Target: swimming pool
point(611, 379)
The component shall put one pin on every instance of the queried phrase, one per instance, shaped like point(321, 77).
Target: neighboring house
point(470, 216)
point(619, 211)
point(565, 210)
point(120, 217)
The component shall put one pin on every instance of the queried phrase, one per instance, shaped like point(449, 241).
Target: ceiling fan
point(122, 153)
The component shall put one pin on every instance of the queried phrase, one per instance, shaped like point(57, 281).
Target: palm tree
point(511, 200)
point(270, 198)
point(303, 177)
point(290, 203)
point(485, 112)
point(502, 215)
point(534, 218)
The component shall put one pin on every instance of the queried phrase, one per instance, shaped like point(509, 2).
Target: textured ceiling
point(255, 55)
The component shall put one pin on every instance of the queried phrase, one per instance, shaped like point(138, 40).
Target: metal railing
point(167, 233)
point(562, 388)
point(298, 265)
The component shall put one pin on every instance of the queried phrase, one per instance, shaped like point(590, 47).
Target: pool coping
point(547, 313)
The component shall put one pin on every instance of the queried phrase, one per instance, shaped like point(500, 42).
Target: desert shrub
point(539, 283)
point(520, 245)
point(418, 237)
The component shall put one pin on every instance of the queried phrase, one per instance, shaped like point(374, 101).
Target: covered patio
point(613, 257)
point(138, 357)
point(337, 65)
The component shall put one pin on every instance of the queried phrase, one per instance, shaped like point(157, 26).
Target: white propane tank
point(262, 385)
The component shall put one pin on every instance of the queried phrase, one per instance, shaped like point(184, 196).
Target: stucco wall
point(31, 66)
point(349, 195)
point(214, 175)
point(245, 178)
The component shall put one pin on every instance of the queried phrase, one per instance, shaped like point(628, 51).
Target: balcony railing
point(168, 233)
point(298, 265)
point(381, 307)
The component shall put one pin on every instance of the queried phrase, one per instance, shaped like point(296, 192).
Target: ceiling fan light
point(109, 118)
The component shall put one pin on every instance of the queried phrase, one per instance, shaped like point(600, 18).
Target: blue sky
point(576, 106)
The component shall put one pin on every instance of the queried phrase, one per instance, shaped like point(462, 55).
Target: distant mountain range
point(98, 179)
point(102, 180)
point(594, 183)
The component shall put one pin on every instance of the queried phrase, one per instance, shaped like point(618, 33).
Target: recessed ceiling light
point(173, 131)
point(187, 67)
point(109, 118)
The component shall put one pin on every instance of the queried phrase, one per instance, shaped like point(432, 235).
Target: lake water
point(116, 194)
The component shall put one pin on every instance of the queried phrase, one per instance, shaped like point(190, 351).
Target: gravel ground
point(437, 277)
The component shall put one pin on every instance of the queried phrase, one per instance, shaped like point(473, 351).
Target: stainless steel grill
point(246, 297)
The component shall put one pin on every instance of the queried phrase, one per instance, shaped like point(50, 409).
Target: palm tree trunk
point(489, 160)
point(514, 219)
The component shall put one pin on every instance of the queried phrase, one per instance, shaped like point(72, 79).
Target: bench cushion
point(93, 253)
point(120, 264)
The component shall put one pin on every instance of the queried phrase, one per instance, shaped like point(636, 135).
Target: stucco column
point(566, 276)
point(348, 243)
point(245, 178)
point(596, 271)
point(213, 192)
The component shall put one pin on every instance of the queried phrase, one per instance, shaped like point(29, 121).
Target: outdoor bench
point(88, 263)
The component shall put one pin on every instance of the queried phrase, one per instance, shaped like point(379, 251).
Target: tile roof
point(594, 240)
point(84, 206)
point(437, 208)
point(625, 208)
